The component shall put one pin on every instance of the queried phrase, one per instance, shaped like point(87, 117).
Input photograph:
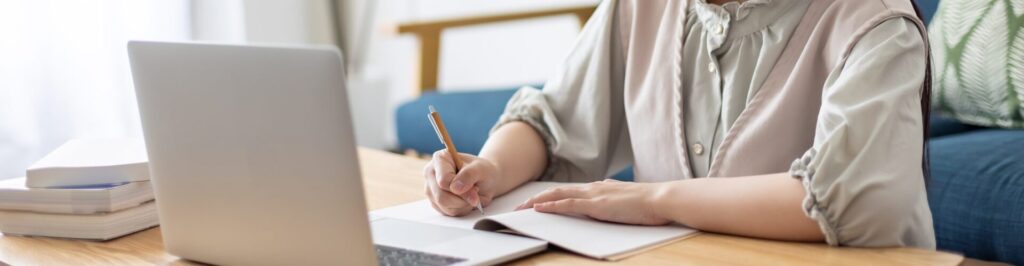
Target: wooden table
point(393, 179)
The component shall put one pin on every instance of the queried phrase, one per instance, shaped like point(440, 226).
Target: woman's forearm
point(766, 206)
point(518, 151)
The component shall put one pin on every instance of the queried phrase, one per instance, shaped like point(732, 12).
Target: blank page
point(421, 211)
point(586, 236)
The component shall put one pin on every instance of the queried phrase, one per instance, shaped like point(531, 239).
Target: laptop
point(253, 162)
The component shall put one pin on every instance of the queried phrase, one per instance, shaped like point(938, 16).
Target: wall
point(382, 74)
point(64, 71)
point(472, 58)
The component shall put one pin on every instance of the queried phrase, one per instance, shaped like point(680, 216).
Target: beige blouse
point(728, 53)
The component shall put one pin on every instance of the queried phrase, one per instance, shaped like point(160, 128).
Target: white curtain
point(64, 70)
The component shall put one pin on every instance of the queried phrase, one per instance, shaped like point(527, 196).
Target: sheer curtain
point(64, 70)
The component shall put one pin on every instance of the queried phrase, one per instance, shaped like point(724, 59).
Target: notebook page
point(610, 241)
point(421, 211)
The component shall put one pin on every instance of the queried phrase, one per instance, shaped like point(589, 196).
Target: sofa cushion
point(976, 193)
point(940, 126)
point(978, 52)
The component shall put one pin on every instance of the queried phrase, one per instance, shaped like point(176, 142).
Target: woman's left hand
point(608, 200)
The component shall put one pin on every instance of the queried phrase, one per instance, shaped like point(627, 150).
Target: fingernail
point(474, 199)
point(457, 186)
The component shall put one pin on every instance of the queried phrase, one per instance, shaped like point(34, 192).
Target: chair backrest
point(468, 116)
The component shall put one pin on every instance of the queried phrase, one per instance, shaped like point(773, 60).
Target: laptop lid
point(252, 153)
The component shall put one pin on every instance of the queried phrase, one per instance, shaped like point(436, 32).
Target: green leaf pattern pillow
point(978, 53)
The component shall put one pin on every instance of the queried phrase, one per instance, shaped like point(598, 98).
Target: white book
point(15, 196)
point(592, 238)
point(83, 162)
point(103, 226)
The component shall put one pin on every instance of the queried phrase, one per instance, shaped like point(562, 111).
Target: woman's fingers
point(433, 201)
point(577, 207)
point(444, 168)
point(554, 194)
point(453, 203)
point(447, 178)
point(430, 196)
point(456, 194)
point(472, 196)
point(443, 201)
point(465, 180)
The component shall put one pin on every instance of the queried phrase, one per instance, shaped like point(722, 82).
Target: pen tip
point(432, 110)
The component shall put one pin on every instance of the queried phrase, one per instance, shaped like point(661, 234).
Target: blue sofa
point(468, 116)
point(975, 189)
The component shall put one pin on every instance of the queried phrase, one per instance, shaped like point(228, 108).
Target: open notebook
point(595, 239)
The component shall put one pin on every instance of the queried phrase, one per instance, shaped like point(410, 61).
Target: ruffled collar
point(736, 19)
point(734, 9)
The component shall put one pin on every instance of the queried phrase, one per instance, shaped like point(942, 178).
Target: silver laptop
point(253, 162)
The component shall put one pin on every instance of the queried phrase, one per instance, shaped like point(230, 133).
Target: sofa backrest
point(928, 8)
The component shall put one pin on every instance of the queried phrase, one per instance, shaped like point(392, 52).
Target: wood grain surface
point(394, 179)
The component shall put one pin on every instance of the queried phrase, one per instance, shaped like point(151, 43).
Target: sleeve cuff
point(802, 169)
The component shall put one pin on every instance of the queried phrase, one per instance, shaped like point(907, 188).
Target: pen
point(442, 133)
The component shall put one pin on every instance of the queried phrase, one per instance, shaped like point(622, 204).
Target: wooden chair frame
point(429, 33)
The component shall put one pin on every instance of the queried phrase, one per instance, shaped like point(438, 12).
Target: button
point(719, 29)
point(698, 148)
point(711, 67)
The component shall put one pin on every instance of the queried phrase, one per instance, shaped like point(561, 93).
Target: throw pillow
point(978, 67)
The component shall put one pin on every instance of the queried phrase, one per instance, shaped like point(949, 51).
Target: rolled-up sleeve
point(863, 176)
point(579, 113)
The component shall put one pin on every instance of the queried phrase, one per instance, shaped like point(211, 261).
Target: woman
point(813, 109)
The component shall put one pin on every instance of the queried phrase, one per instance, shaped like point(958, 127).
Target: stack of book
point(87, 189)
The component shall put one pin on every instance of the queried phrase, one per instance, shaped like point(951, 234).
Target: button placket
point(716, 34)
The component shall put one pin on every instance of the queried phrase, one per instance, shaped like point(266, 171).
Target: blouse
point(728, 53)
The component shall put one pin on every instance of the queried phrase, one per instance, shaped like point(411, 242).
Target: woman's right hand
point(457, 194)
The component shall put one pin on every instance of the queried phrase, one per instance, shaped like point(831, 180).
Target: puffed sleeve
point(580, 113)
point(863, 177)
